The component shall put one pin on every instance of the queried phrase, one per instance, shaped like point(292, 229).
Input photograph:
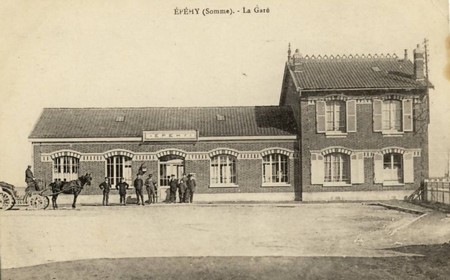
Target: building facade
point(343, 124)
point(230, 149)
point(362, 121)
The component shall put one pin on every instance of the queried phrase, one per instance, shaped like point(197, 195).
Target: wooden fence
point(437, 190)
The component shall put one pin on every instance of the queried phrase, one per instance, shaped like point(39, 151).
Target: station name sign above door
point(170, 135)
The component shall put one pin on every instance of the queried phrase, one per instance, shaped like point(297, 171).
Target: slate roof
point(318, 73)
point(101, 122)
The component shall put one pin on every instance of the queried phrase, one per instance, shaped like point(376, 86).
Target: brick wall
point(363, 139)
point(249, 171)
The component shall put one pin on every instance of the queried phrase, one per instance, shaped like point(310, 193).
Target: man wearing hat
point(29, 179)
point(105, 187)
point(191, 186)
point(150, 185)
point(182, 188)
point(138, 184)
point(122, 187)
point(173, 184)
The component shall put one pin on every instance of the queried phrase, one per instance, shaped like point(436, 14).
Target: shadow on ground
point(429, 262)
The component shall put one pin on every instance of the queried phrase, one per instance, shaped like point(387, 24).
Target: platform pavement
point(257, 197)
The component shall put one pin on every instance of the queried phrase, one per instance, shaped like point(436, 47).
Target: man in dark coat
point(122, 187)
point(191, 186)
point(150, 185)
point(182, 188)
point(173, 184)
point(138, 185)
point(29, 179)
point(106, 187)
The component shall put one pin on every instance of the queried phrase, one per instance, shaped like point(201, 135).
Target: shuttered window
point(337, 168)
point(336, 116)
point(392, 168)
point(392, 115)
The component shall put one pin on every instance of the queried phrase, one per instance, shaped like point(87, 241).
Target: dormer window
point(120, 118)
point(220, 117)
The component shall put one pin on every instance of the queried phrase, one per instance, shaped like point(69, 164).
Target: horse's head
point(86, 179)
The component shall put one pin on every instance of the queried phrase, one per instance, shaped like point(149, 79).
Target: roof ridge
point(350, 57)
point(160, 107)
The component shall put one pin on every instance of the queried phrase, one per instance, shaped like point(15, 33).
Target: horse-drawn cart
point(32, 199)
point(36, 195)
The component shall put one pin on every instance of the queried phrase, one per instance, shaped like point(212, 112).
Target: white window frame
point(114, 164)
point(343, 161)
point(392, 116)
point(66, 167)
point(281, 164)
point(337, 108)
point(390, 180)
point(222, 167)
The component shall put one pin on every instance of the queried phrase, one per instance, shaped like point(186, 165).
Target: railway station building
point(344, 124)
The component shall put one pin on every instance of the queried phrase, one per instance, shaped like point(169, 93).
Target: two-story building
point(344, 124)
point(362, 120)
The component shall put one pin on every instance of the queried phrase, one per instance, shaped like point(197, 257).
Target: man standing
point(138, 184)
point(122, 187)
point(150, 185)
point(191, 185)
point(173, 184)
point(182, 188)
point(29, 179)
point(106, 187)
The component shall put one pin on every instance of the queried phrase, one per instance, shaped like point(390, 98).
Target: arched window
point(392, 115)
point(66, 167)
point(118, 166)
point(223, 170)
point(392, 168)
point(275, 168)
point(337, 168)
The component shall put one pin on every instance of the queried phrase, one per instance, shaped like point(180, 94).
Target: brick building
point(362, 120)
point(344, 124)
point(230, 149)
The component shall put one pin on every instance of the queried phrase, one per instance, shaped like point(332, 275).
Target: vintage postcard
point(224, 139)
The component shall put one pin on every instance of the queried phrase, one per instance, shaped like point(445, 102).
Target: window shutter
point(317, 169)
point(407, 115)
point(357, 168)
point(351, 116)
point(378, 168)
point(320, 116)
point(377, 113)
point(408, 168)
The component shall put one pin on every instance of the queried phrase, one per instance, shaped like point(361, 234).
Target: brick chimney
point(418, 64)
point(297, 61)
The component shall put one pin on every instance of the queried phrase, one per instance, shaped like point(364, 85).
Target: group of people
point(186, 187)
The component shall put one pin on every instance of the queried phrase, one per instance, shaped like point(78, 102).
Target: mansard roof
point(131, 122)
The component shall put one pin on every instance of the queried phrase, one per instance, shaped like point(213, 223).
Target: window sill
point(392, 133)
point(224, 186)
point(393, 184)
point(335, 134)
point(336, 184)
point(275, 185)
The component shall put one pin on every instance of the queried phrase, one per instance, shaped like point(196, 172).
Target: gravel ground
point(293, 232)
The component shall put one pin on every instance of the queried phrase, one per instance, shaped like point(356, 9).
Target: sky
point(109, 53)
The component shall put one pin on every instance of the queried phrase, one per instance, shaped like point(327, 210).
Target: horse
point(71, 187)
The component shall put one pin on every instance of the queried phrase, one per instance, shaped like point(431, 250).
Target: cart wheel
point(7, 201)
point(37, 201)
